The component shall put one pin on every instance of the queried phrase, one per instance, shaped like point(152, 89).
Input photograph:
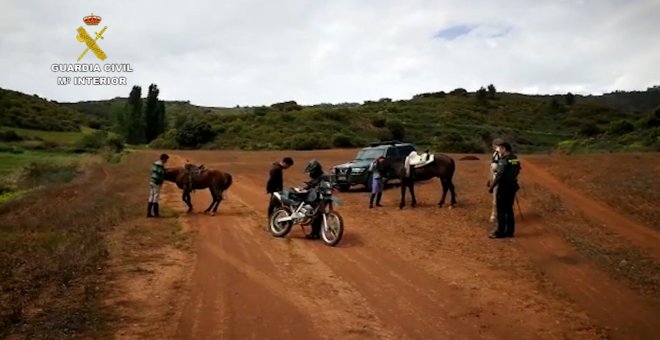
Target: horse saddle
point(195, 169)
point(416, 160)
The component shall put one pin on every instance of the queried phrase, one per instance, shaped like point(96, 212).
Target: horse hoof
point(451, 207)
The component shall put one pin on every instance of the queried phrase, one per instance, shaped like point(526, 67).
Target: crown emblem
point(92, 19)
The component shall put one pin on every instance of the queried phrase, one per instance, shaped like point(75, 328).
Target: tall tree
point(151, 114)
point(134, 118)
point(491, 91)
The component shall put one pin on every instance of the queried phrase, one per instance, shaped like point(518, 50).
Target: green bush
point(310, 141)
point(9, 136)
point(342, 140)
point(115, 142)
point(194, 133)
point(40, 173)
point(94, 140)
point(621, 127)
point(589, 130)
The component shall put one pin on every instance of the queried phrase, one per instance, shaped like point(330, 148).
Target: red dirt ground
point(422, 273)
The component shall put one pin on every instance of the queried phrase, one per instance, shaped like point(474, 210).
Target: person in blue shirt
point(376, 183)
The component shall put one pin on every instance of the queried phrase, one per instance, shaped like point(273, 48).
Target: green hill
point(458, 121)
point(32, 112)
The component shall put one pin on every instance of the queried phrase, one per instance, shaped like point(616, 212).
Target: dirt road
point(427, 273)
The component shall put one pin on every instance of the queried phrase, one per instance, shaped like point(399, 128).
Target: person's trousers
point(376, 185)
point(506, 195)
point(493, 212)
point(154, 192)
point(272, 205)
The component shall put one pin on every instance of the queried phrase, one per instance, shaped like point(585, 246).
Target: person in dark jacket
point(506, 181)
point(276, 181)
point(316, 174)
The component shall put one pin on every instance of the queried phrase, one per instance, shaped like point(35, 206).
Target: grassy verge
point(59, 137)
point(52, 250)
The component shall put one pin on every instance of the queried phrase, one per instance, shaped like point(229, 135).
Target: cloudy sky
point(248, 52)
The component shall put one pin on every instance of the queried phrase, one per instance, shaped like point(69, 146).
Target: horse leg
point(213, 199)
point(217, 202)
point(411, 187)
point(445, 187)
point(186, 199)
point(403, 193)
point(453, 194)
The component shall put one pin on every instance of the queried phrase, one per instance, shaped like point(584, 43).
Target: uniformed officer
point(506, 181)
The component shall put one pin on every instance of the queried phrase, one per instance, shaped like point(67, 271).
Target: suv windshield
point(370, 154)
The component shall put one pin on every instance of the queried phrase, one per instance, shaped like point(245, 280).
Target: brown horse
point(216, 180)
point(442, 167)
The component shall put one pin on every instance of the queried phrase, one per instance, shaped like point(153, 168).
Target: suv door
point(404, 150)
point(391, 153)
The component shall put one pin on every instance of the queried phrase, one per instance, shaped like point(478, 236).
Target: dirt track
point(427, 273)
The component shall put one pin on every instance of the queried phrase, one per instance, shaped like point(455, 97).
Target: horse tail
point(228, 181)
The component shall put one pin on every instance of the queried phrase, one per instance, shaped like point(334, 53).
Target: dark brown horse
point(216, 180)
point(442, 167)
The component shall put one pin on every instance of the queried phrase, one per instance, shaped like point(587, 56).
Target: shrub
point(342, 140)
point(621, 127)
point(10, 136)
point(379, 122)
point(589, 130)
point(194, 132)
point(115, 142)
point(311, 141)
point(40, 173)
point(94, 140)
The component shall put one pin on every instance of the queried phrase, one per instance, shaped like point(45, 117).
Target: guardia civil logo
point(91, 42)
point(84, 37)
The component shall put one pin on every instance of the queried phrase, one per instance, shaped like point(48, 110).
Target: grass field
point(59, 137)
point(12, 161)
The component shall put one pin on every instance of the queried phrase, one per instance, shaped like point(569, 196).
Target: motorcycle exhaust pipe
point(285, 219)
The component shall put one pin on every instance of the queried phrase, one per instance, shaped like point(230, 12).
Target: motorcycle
point(301, 208)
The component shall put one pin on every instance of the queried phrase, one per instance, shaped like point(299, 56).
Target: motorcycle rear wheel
point(280, 229)
point(331, 235)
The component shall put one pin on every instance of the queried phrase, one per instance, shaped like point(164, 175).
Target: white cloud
point(260, 52)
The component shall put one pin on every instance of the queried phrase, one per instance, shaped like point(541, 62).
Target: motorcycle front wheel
point(280, 229)
point(332, 227)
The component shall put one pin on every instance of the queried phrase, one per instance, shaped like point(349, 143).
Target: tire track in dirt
point(251, 286)
point(599, 295)
point(408, 300)
point(640, 235)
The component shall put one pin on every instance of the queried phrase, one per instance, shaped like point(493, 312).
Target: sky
point(247, 52)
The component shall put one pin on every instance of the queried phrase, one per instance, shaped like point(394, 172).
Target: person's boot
point(156, 210)
point(149, 206)
point(371, 201)
point(378, 197)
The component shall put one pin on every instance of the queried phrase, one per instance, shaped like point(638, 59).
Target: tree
point(134, 121)
point(154, 115)
point(570, 99)
point(491, 91)
point(194, 132)
point(482, 96)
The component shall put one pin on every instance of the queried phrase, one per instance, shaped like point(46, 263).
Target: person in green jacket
point(157, 179)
